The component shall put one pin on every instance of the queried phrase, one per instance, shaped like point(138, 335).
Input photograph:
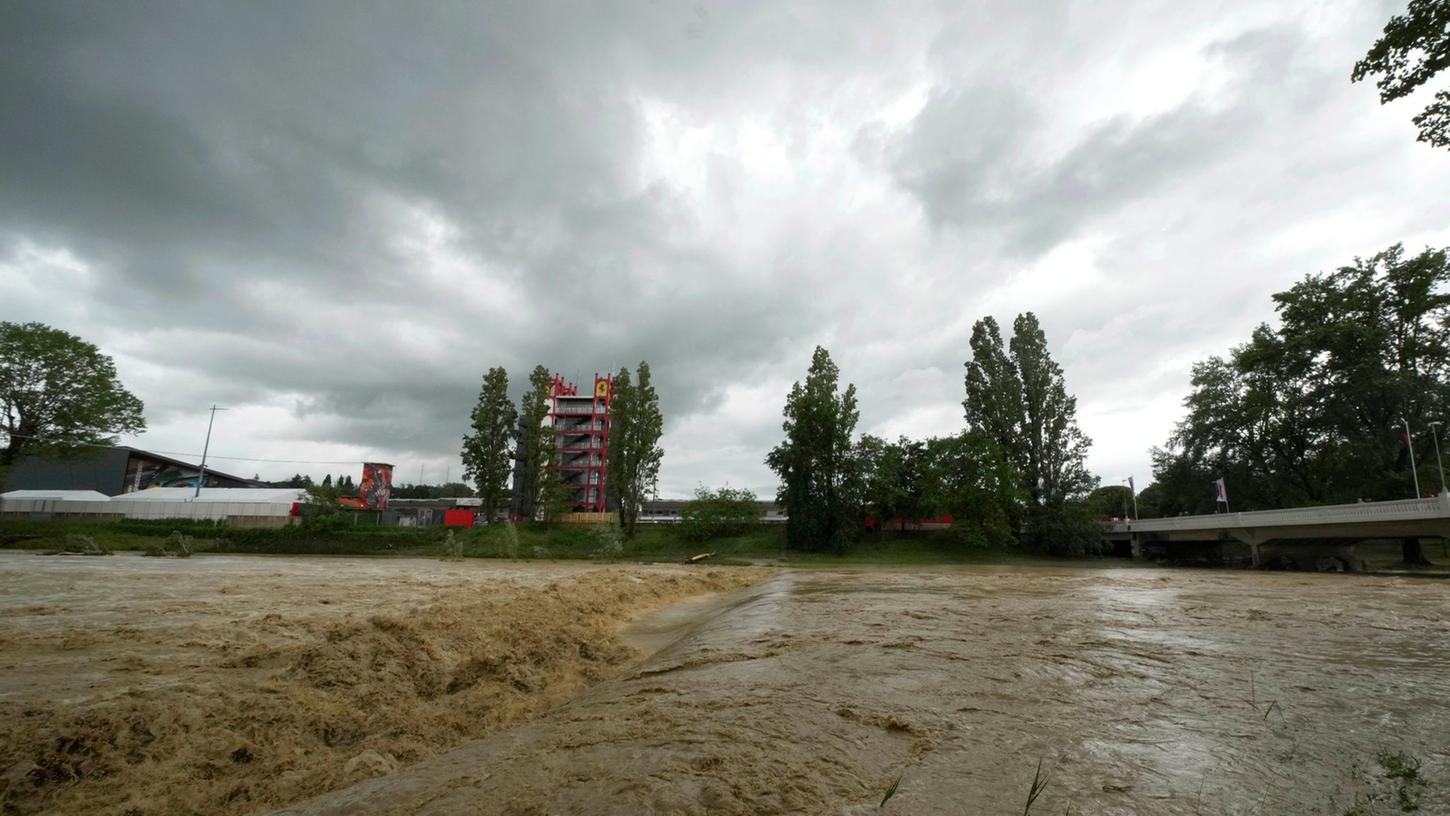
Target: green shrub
point(199, 528)
point(719, 513)
point(80, 544)
point(176, 545)
point(608, 540)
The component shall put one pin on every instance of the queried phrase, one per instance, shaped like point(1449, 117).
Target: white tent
point(231, 495)
point(55, 495)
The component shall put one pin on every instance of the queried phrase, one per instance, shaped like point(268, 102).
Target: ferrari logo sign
point(601, 388)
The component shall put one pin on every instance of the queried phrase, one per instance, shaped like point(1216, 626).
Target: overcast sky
point(331, 218)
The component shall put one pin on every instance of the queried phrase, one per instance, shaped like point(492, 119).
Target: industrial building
point(236, 507)
point(672, 511)
point(113, 471)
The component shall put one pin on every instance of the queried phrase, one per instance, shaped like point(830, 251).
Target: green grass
point(663, 543)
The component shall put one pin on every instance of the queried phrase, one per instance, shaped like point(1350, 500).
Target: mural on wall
point(144, 474)
point(376, 485)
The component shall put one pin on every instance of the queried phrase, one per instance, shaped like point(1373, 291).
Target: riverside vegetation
point(662, 543)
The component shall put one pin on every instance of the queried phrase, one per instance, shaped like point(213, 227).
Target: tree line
point(1314, 410)
point(1014, 474)
point(510, 449)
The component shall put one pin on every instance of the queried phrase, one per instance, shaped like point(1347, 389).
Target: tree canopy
point(59, 395)
point(718, 513)
point(487, 451)
point(814, 461)
point(536, 446)
point(1309, 411)
point(1414, 47)
point(1018, 399)
point(635, 426)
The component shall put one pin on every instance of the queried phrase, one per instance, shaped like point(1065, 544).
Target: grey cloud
point(238, 177)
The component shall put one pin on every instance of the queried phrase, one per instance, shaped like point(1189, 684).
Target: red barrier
point(458, 518)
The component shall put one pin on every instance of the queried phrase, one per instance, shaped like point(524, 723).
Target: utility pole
point(1133, 491)
point(1439, 463)
point(201, 472)
point(1410, 443)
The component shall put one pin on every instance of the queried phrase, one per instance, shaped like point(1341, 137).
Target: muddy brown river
point(1140, 691)
point(239, 685)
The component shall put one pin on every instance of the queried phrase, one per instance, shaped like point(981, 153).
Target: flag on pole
point(1222, 497)
point(1130, 485)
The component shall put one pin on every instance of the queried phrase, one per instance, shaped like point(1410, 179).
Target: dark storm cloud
point(342, 213)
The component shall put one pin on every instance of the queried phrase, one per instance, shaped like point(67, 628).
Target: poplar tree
point(487, 452)
point(536, 443)
point(816, 459)
point(635, 427)
point(1018, 399)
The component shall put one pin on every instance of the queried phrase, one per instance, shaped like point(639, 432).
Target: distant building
point(671, 511)
point(114, 471)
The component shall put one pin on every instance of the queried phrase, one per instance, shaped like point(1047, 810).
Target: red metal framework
point(581, 439)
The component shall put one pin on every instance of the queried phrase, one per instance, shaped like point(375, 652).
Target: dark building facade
point(113, 471)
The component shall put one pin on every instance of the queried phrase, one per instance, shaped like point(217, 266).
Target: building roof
point(676, 505)
point(58, 495)
point(211, 471)
point(273, 495)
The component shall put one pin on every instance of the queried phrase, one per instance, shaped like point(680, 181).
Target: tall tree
point(1415, 47)
point(814, 461)
point(1018, 399)
point(1310, 411)
point(635, 426)
point(487, 452)
point(536, 448)
point(59, 395)
point(1109, 501)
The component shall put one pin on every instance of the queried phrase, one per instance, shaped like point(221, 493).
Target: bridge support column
point(1255, 559)
point(1413, 553)
point(1137, 547)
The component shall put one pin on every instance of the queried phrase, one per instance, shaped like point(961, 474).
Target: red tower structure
point(581, 440)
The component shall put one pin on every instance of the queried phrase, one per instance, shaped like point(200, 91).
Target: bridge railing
point(1363, 512)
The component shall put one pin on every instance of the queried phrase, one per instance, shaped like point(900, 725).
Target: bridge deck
point(1436, 509)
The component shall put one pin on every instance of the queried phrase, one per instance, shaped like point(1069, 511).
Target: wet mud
point(232, 685)
point(1139, 691)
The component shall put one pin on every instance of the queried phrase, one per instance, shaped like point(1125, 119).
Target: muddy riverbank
point(1141, 691)
point(230, 685)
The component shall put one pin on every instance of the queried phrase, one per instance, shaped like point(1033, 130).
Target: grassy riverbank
point(527, 541)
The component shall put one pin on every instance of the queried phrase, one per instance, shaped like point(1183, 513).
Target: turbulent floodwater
point(1140, 691)
point(232, 685)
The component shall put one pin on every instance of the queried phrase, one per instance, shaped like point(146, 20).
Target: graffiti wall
point(143, 473)
point(376, 485)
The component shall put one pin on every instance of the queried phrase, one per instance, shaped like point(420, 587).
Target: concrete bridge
point(1304, 536)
